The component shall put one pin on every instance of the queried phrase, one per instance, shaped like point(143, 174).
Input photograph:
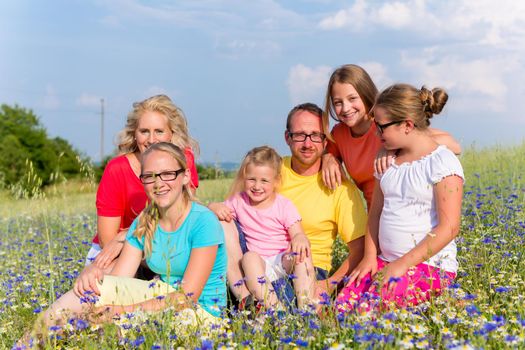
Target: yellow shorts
point(116, 290)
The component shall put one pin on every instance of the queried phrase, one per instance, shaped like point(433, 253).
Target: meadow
point(43, 243)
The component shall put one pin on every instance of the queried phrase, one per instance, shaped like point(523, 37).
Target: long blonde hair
point(149, 217)
point(263, 155)
point(176, 121)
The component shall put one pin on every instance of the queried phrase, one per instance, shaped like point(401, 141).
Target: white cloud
point(378, 73)
point(51, 100)
point(307, 84)
point(87, 100)
point(483, 80)
point(499, 23)
point(239, 48)
point(353, 17)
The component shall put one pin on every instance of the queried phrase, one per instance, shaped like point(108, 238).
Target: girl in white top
point(416, 208)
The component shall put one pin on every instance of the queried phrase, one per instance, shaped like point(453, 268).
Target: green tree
point(23, 137)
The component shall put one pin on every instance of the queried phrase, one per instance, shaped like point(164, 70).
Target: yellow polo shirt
point(324, 212)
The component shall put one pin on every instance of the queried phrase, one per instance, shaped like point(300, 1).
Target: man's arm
point(355, 248)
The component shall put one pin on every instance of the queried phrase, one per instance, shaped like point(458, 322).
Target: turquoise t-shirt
point(171, 254)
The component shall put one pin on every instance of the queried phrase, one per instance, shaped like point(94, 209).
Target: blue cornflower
point(137, 342)
point(470, 296)
point(239, 283)
point(394, 279)
point(286, 340)
point(313, 325)
point(292, 276)
point(37, 310)
point(156, 347)
point(206, 344)
point(78, 323)
point(261, 280)
point(300, 342)
point(502, 289)
point(472, 310)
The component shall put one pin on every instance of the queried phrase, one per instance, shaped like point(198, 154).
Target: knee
point(250, 258)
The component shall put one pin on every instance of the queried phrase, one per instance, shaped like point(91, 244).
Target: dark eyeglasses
point(164, 176)
point(381, 127)
point(301, 136)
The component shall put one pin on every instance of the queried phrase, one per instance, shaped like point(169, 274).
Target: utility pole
point(101, 130)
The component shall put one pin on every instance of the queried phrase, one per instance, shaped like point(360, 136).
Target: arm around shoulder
point(444, 138)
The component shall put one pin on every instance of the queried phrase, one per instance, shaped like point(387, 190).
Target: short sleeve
point(206, 231)
point(331, 147)
point(445, 163)
point(290, 213)
point(350, 214)
point(132, 239)
point(190, 162)
point(109, 193)
point(233, 203)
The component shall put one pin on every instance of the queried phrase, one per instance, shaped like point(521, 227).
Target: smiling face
point(348, 105)
point(166, 194)
point(260, 182)
point(152, 127)
point(306, 155)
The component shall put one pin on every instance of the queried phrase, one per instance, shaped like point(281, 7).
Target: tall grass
point(43, 243)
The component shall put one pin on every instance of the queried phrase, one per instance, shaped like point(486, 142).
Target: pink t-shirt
point(121, 194)
point(266, 230)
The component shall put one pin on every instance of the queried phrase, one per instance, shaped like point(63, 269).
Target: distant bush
point(29, 159)
point(211, 172)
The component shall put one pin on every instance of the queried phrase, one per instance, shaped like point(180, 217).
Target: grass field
point(43, 243)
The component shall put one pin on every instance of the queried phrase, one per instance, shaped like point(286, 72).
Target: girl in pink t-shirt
point(353, 141)
point(271, 224)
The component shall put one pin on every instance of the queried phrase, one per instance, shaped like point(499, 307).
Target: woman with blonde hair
point(120, 194)
point(181, 240)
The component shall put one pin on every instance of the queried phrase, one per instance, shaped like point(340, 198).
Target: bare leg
point(67, 305)
point(234, 274)
point(304, 283)
point(254, 268)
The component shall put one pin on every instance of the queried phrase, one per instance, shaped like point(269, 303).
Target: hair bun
point(433, 100)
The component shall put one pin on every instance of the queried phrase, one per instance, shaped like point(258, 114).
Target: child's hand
point(333, 175)
point(392, 272)
point(366, 266)
point(300, 246)
point(383, 160)
point(222, 211)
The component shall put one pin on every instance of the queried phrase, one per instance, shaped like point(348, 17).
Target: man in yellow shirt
point(325, 213)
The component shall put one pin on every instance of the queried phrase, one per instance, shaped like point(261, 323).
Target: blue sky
point(237, 67)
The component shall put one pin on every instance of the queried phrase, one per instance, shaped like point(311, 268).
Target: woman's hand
point(87, 281)
point(333, 175)
point(223, 212)
point(383, 160)
point(111, 250)
point(392, 272)
point(300, 245)
point(366, 266)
